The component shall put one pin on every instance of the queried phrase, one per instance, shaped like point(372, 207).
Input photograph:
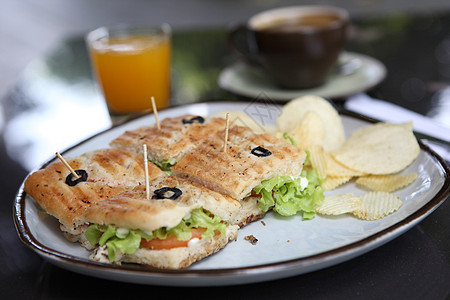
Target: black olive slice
point(197, 119)
point(161, 193)
point(261, 152)
point(71, 181)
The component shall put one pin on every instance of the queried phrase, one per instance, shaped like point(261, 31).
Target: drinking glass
point(131, 65)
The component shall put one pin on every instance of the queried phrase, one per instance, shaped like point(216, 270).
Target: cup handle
point(240, 45)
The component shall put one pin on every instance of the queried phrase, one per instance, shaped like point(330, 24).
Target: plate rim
point(237, 273)
point(373, 62)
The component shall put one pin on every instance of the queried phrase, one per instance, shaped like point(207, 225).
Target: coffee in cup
point(297, 46)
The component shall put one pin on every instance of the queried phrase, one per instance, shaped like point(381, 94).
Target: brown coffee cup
point(298, 46)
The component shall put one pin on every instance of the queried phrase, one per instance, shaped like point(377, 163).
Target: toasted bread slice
point(176, 137)
point(249, 159)
point(131, 209)
point(109, 173)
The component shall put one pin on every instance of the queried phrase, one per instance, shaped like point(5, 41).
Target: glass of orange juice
point(131, 65)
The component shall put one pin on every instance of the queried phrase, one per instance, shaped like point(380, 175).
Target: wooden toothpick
point(67, 165)
point(155, 111)
point(147, 183)
point(226, 133)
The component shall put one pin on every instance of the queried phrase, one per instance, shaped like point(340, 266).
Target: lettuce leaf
point(93, 234)
point(165, 165)
point(288, 195)
point(128, 241)
point(286, 136)
point(307, 163)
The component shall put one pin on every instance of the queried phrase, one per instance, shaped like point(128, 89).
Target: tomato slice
point(171, 241)
point(254, 194)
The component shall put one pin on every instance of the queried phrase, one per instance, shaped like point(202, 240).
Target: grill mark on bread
point(105, 169)
point(237, 171)
point(173, 141)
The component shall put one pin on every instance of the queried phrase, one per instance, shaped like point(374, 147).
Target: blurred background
point(30, 28)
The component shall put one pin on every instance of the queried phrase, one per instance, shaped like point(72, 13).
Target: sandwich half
point(259, 170)
point(104, 173)
point(175, 138)
point(191, 147)
point(180, 223)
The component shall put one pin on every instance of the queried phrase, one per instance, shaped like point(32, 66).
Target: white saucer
point(249, 81)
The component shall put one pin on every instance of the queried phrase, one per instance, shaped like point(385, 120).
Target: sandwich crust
point(237, 171)
point(173, 140)
point(132, 210)
point(175, 258)
point(110, 172)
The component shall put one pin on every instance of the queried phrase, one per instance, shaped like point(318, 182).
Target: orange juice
point(132, 69)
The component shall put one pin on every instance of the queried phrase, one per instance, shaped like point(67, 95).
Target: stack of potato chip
point(372, 156)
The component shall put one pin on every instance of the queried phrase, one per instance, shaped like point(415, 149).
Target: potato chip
point(294, 111)
point(339, 204)
point(382, 148)
point(333, 182)
point(240, 118)
point(376, 205)
point(386, 183)
point(309, 132)
point(318, 160)
point(336, 169)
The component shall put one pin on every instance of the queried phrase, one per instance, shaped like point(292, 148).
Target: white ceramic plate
point(286, 246)
point(248, 81)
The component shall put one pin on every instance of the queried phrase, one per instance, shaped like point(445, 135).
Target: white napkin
point(386, 111)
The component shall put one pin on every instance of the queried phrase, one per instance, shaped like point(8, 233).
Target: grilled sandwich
point(108, 172)
point(259, 170)
point(255, 169)
point(181, 223)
